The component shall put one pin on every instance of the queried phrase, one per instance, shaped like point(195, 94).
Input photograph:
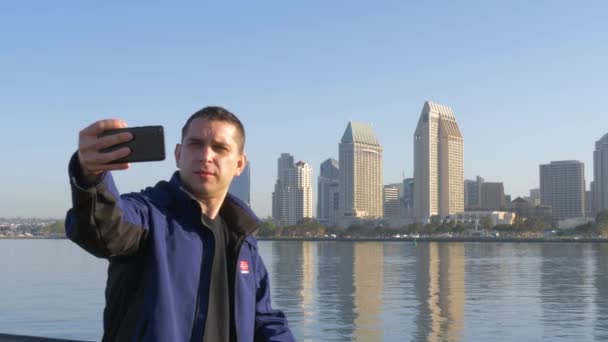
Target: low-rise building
point(528, 209)
point(497, 217)
point(573, 222)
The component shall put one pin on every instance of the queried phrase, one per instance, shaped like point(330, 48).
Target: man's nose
point(206, 153)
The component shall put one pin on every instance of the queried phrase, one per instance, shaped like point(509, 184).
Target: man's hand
point(93, 162)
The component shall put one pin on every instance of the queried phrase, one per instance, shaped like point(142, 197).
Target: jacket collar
point(237, 214)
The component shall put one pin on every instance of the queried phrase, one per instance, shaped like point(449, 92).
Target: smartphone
point(148, 144)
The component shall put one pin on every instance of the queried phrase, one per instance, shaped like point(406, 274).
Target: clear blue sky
point(527, 81)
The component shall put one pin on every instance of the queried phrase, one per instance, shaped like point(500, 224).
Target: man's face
point(209, 157)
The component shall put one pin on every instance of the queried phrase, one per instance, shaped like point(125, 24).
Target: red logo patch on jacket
point(244, 267)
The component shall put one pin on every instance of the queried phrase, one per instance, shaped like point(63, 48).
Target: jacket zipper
point(239, 244)
point(197, 308)
point(195, 313)
point(143, 331)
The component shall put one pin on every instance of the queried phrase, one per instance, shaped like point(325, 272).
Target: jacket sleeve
point(270, 324)
point(101, 221)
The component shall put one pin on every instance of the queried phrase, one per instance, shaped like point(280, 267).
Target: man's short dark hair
point(216, 113)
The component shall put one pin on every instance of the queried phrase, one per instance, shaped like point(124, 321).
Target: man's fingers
point(112, 139)
point(91, 144)
point(104, 125)
point(117, 154)
point(94, 160)
point(96, 128)
point(94, 143)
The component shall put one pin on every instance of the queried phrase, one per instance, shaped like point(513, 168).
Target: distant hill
point(55, 229)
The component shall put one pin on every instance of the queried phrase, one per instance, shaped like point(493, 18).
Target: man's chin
point(196, 188)
point(203, 191)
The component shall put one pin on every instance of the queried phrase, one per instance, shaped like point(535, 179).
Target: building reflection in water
point(562, 285)
point(308, 280)
point(335, 290)
point(368, 280)
point(600, 283)
point(287, 277)
point(368, 291)
point(440, 285)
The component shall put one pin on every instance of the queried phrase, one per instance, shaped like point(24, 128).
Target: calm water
point(343, 291)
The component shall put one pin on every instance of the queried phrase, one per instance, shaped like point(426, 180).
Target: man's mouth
point(204, 173)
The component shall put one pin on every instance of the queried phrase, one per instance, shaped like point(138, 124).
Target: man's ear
point(241, 164)
point(177, 153)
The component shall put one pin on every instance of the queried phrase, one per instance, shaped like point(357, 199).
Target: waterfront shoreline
point(390, 239)
point(32, 238)
point(437, 239)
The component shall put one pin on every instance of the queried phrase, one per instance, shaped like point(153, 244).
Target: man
point(183, 263)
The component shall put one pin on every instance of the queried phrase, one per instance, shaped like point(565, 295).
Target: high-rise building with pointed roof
point(438, 163)
point(600, 175)
point(360, 172)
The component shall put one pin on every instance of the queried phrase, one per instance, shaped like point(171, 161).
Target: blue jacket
point(159, 267)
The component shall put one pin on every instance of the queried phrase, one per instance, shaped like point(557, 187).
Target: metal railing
point(23, 338)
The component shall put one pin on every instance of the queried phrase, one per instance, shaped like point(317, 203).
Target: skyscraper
point(279, 211)
point(360, 172)
point(328, 191)
point(292, 197)
point(589, 202)
point(600, 175)
point(241, 185)
point(438, 163)
point(407, 198)
point(472, 193)
point(391, 200)
point(590, 199)
point(492, 196)
point(562, 186)
point(301, 192)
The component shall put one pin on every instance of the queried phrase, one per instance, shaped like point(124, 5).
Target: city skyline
point(523, 92)
point(587, 183)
